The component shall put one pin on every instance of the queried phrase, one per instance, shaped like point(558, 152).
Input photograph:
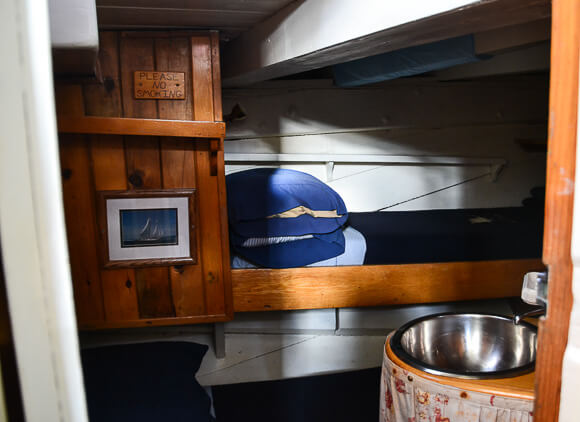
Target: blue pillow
point(254, 195)
point(297, 253)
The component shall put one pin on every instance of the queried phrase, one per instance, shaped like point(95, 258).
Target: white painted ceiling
point(230, 17)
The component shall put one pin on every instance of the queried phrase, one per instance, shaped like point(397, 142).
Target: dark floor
point(350, 396)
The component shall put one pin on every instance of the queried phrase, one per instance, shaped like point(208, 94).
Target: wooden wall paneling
point(143, 162)
point(216, 76)
point(561, 169)
point(203, 102)
point(215, 275)
point(178, 170)
point(69, 100)
point(80, 222)
point(109, 172)
point(136, 54)
point(174, 55)
point(144, 170)
point(154, 292)
point(146, 296)
point(104, 98)
point(119, 291)
point(210, 230)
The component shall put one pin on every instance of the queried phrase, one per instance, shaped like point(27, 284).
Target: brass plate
point(159, 85)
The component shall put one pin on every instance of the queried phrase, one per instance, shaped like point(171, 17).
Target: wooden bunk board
point(375, 285)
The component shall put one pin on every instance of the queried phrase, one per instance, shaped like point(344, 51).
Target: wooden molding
point(152, 322)
point(375, 285)
point(561, 169)
point(146, 127)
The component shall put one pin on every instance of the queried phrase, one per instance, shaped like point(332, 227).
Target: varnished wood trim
point(178, 33)
point(131, 126)
point(374, 285)
point(224, 234)
point(216, 77)
point(561, 169)
point(521, 387)
point(152, 322)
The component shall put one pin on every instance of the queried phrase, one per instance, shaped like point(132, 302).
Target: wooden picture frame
point(147, 228)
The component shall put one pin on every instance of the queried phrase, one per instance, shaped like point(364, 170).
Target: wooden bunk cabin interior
point(432, 129)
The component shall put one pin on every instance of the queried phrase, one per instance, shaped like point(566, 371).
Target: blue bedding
point(354, 253)
point(282, 218)
point(254, 196)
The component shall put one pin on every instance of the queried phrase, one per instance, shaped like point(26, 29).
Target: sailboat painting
point(148, 227)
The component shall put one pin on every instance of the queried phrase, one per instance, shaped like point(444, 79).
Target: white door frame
point(32, 230)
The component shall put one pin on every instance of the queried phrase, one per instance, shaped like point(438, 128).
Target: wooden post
point(553, 331)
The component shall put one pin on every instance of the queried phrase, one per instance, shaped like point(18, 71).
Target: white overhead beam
point(74, 36)
point(316, 33)
point(531, 59)
point(510, 37)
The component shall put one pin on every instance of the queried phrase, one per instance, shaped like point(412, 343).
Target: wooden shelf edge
point(140, 127)
point(153, 322)
point(377, 285)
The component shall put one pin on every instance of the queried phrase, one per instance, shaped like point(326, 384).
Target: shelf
point(147, 127)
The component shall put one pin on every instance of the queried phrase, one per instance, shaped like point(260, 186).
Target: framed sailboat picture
point(147, 228)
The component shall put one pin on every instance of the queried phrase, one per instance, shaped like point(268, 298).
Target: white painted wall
point(411, 117)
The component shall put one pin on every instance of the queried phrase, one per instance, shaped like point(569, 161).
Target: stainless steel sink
point(475, 346)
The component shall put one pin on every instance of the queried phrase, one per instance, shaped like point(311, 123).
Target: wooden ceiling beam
point(311, 34)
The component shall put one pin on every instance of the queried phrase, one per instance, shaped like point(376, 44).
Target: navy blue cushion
point(255, 194)
point(293, 254)
point(148, 382)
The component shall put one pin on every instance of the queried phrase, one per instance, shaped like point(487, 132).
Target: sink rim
point(399, 351)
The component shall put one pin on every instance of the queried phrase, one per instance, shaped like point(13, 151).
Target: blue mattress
point(404, 237)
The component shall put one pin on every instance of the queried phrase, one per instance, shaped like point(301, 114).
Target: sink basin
point(474, 346)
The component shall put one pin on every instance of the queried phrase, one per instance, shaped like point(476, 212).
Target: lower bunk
point(411, 257)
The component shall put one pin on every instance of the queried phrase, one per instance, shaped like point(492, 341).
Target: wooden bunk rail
point(374, 285)
point(141, 127)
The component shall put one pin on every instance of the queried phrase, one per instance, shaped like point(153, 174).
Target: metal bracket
point(329, 170)
point(219, 340)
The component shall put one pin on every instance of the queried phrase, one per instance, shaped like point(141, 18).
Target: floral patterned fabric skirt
point(407, 397)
